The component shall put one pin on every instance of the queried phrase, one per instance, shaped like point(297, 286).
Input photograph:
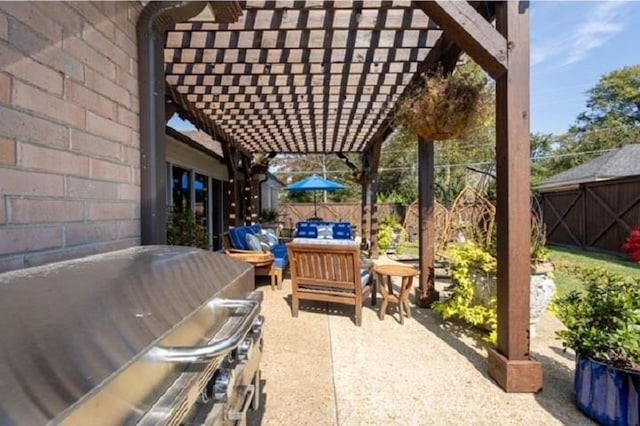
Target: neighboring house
point(594, 205)
point(269, 190)
point(195, 179)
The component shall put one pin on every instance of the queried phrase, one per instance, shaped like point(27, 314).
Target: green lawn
point(569, 262)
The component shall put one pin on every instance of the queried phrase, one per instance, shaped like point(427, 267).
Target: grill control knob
point(242, 353)
point(258, 324)
point(222, 385)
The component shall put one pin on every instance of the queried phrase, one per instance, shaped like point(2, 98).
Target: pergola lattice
point(299, 77)
point(324, 77)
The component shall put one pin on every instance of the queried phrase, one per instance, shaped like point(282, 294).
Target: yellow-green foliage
point(464, 260)
point(388, 228)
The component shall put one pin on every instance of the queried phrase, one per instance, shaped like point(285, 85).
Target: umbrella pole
point(315, 206)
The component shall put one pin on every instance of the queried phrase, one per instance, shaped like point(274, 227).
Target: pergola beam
point(200, 120)
point(475, 35)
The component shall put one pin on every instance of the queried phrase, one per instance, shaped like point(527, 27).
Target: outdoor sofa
point(268, 257)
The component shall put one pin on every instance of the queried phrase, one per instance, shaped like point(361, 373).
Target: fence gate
point(597, 216)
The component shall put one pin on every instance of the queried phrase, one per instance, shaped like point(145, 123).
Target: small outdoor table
point(385, 273)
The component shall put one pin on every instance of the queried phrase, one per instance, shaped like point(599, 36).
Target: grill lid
point(71, 327)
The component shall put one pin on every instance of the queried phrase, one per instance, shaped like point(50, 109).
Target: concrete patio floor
point(320, 369)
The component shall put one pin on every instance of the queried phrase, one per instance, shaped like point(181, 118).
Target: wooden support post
point(373, 199)
point(510, 364)
point(371, 162)
point(364, 209)
point(233, 188)
point(246, 190)
point(426, 294)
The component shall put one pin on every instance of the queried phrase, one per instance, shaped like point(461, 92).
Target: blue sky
point(573, 44)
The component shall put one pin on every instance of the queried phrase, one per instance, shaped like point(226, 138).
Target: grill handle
point(218, 347)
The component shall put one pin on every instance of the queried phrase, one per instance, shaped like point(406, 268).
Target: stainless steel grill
point(147, 335)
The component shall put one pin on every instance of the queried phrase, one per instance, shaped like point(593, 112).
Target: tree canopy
point(611, 120)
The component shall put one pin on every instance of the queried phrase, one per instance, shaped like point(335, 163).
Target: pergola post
point(510, 363)
point(374, 251)
point(247, 193)
point(371, 162)
point(426, 294)
point(364, 210)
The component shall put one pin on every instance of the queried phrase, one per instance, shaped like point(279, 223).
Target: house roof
point(205, 140)
point(198, 140)
point(620, 163)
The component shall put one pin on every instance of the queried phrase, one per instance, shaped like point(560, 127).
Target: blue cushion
point(280, 253)
point(238, 236)
point(365, 273)
point(307, 230)
point(342, 231)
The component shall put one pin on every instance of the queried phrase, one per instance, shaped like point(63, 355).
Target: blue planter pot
point(607, 394)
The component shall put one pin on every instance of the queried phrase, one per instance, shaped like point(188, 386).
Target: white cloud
point(575, 42)
point(602, 25)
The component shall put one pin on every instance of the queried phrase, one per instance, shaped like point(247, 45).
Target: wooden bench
point(264, 263)
point(328, 273)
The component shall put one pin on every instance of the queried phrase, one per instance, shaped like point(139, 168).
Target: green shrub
point(389, 227)
point(269, 215)
point(184, 230)
point(464, 260)
point(603, 321)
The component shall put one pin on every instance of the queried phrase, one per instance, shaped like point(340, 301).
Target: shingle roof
point(622, 162)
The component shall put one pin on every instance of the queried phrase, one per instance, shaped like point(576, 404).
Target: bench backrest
point(326, 266)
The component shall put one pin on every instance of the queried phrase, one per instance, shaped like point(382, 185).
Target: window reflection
point(202, 199)
point(181, 189)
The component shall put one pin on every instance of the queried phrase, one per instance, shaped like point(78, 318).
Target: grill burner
point(148, 335)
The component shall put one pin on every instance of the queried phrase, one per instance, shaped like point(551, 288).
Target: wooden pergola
point(271, 77)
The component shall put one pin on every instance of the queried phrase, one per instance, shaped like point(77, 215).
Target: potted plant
point(269, 216)
point(473, 299)
point(443, 106)
point(603, 328)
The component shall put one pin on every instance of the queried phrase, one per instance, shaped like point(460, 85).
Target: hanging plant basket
point(442, 107)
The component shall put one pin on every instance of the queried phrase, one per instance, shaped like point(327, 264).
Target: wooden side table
point(385, 272)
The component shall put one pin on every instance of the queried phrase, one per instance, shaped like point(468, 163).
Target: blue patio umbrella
point(314, 183)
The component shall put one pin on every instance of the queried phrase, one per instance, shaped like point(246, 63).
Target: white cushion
point(253, 242)
point(325, 232)
point(331, 242)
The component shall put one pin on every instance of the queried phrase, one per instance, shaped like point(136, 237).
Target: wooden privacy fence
point(292, 213)
point(471, 216)
point(596, 216)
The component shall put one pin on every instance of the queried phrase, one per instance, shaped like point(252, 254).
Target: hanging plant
point(443, 106)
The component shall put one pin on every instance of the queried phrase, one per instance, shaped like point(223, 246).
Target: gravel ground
point(321, 369)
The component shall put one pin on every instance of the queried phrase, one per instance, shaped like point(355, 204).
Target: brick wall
point(69, 130)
